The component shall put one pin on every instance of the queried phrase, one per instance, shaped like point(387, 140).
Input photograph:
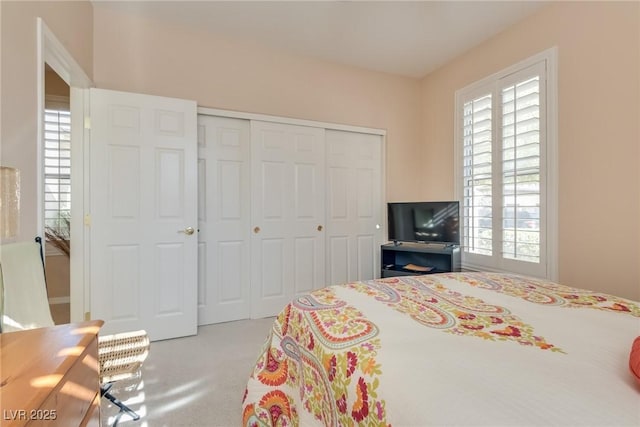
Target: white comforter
point(449, 349)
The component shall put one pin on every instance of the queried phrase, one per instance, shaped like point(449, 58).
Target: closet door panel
point(365, 256)
point(231, 257)
point(355, 206)
point(304, 265)
point(338, 259)
point(273, 188)
point(224, 234)
point(337, 197)
point(273, 269)
point(287, 198)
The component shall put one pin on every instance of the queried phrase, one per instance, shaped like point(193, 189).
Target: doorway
point(53, 55)
point(57, 193)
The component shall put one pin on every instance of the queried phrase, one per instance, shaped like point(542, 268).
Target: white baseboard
point(59, 300)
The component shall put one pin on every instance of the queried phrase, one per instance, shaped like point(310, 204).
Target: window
point(506, 183)
point(57, 170)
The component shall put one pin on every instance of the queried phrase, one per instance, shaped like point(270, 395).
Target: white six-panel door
point(143, 199)
point(287, 214)
point(354, 206)
point(223, 215)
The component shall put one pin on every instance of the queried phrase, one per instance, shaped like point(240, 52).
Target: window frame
point(548, 268)
point(60, 104)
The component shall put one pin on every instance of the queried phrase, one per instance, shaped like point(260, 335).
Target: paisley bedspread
point(448, 349)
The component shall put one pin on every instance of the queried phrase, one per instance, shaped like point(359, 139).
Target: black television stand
point(410, 259)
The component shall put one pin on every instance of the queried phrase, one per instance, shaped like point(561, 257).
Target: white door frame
point(51, 51)
point(288, 120)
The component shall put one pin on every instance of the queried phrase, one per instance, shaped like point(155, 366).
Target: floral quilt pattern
point(432, 304)
point(325, 350)
point(544, 292)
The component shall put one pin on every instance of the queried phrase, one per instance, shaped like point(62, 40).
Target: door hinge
point(87, 220)
point(87, 122)
point(87, 315)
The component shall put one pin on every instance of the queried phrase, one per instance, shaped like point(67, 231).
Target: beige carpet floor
point(193, 381)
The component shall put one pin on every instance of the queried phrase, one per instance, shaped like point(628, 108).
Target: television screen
point(436, 222)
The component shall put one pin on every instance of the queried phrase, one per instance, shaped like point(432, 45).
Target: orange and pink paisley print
point(430, 303)
point(540, 291)
point(326, 351)
point(323, 352)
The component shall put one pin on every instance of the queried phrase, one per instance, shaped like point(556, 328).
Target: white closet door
point(287, 204)
point(143, 198)
point(223, 219)
point(354, 206)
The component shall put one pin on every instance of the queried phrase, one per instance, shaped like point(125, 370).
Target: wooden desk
point(50, 376)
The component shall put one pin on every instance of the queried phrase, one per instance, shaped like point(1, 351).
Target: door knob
point(319, 228)
point(188, 231)
point(256, 230)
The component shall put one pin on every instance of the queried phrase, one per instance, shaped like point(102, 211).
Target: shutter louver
point(521, 171)
point(477, 176)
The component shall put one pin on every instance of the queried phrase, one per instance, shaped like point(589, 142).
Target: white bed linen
point(481, 349)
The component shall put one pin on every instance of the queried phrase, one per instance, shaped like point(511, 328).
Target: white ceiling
point(409, 38)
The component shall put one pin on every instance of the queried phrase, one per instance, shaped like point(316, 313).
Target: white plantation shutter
point(477, 175)
point(521, 170)
point(57, 169)
point(502, 170)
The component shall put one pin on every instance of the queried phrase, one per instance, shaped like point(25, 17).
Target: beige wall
point(140, 55)
point(57, 273)
point(72, 23)
point(599, 132)
point(54, 85)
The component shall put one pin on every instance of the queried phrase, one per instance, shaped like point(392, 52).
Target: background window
point(505, 183)
point(57, 170)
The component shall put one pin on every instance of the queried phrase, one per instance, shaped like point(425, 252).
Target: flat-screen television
point(427, 222)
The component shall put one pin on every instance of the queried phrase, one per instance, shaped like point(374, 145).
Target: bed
point(448, 349)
